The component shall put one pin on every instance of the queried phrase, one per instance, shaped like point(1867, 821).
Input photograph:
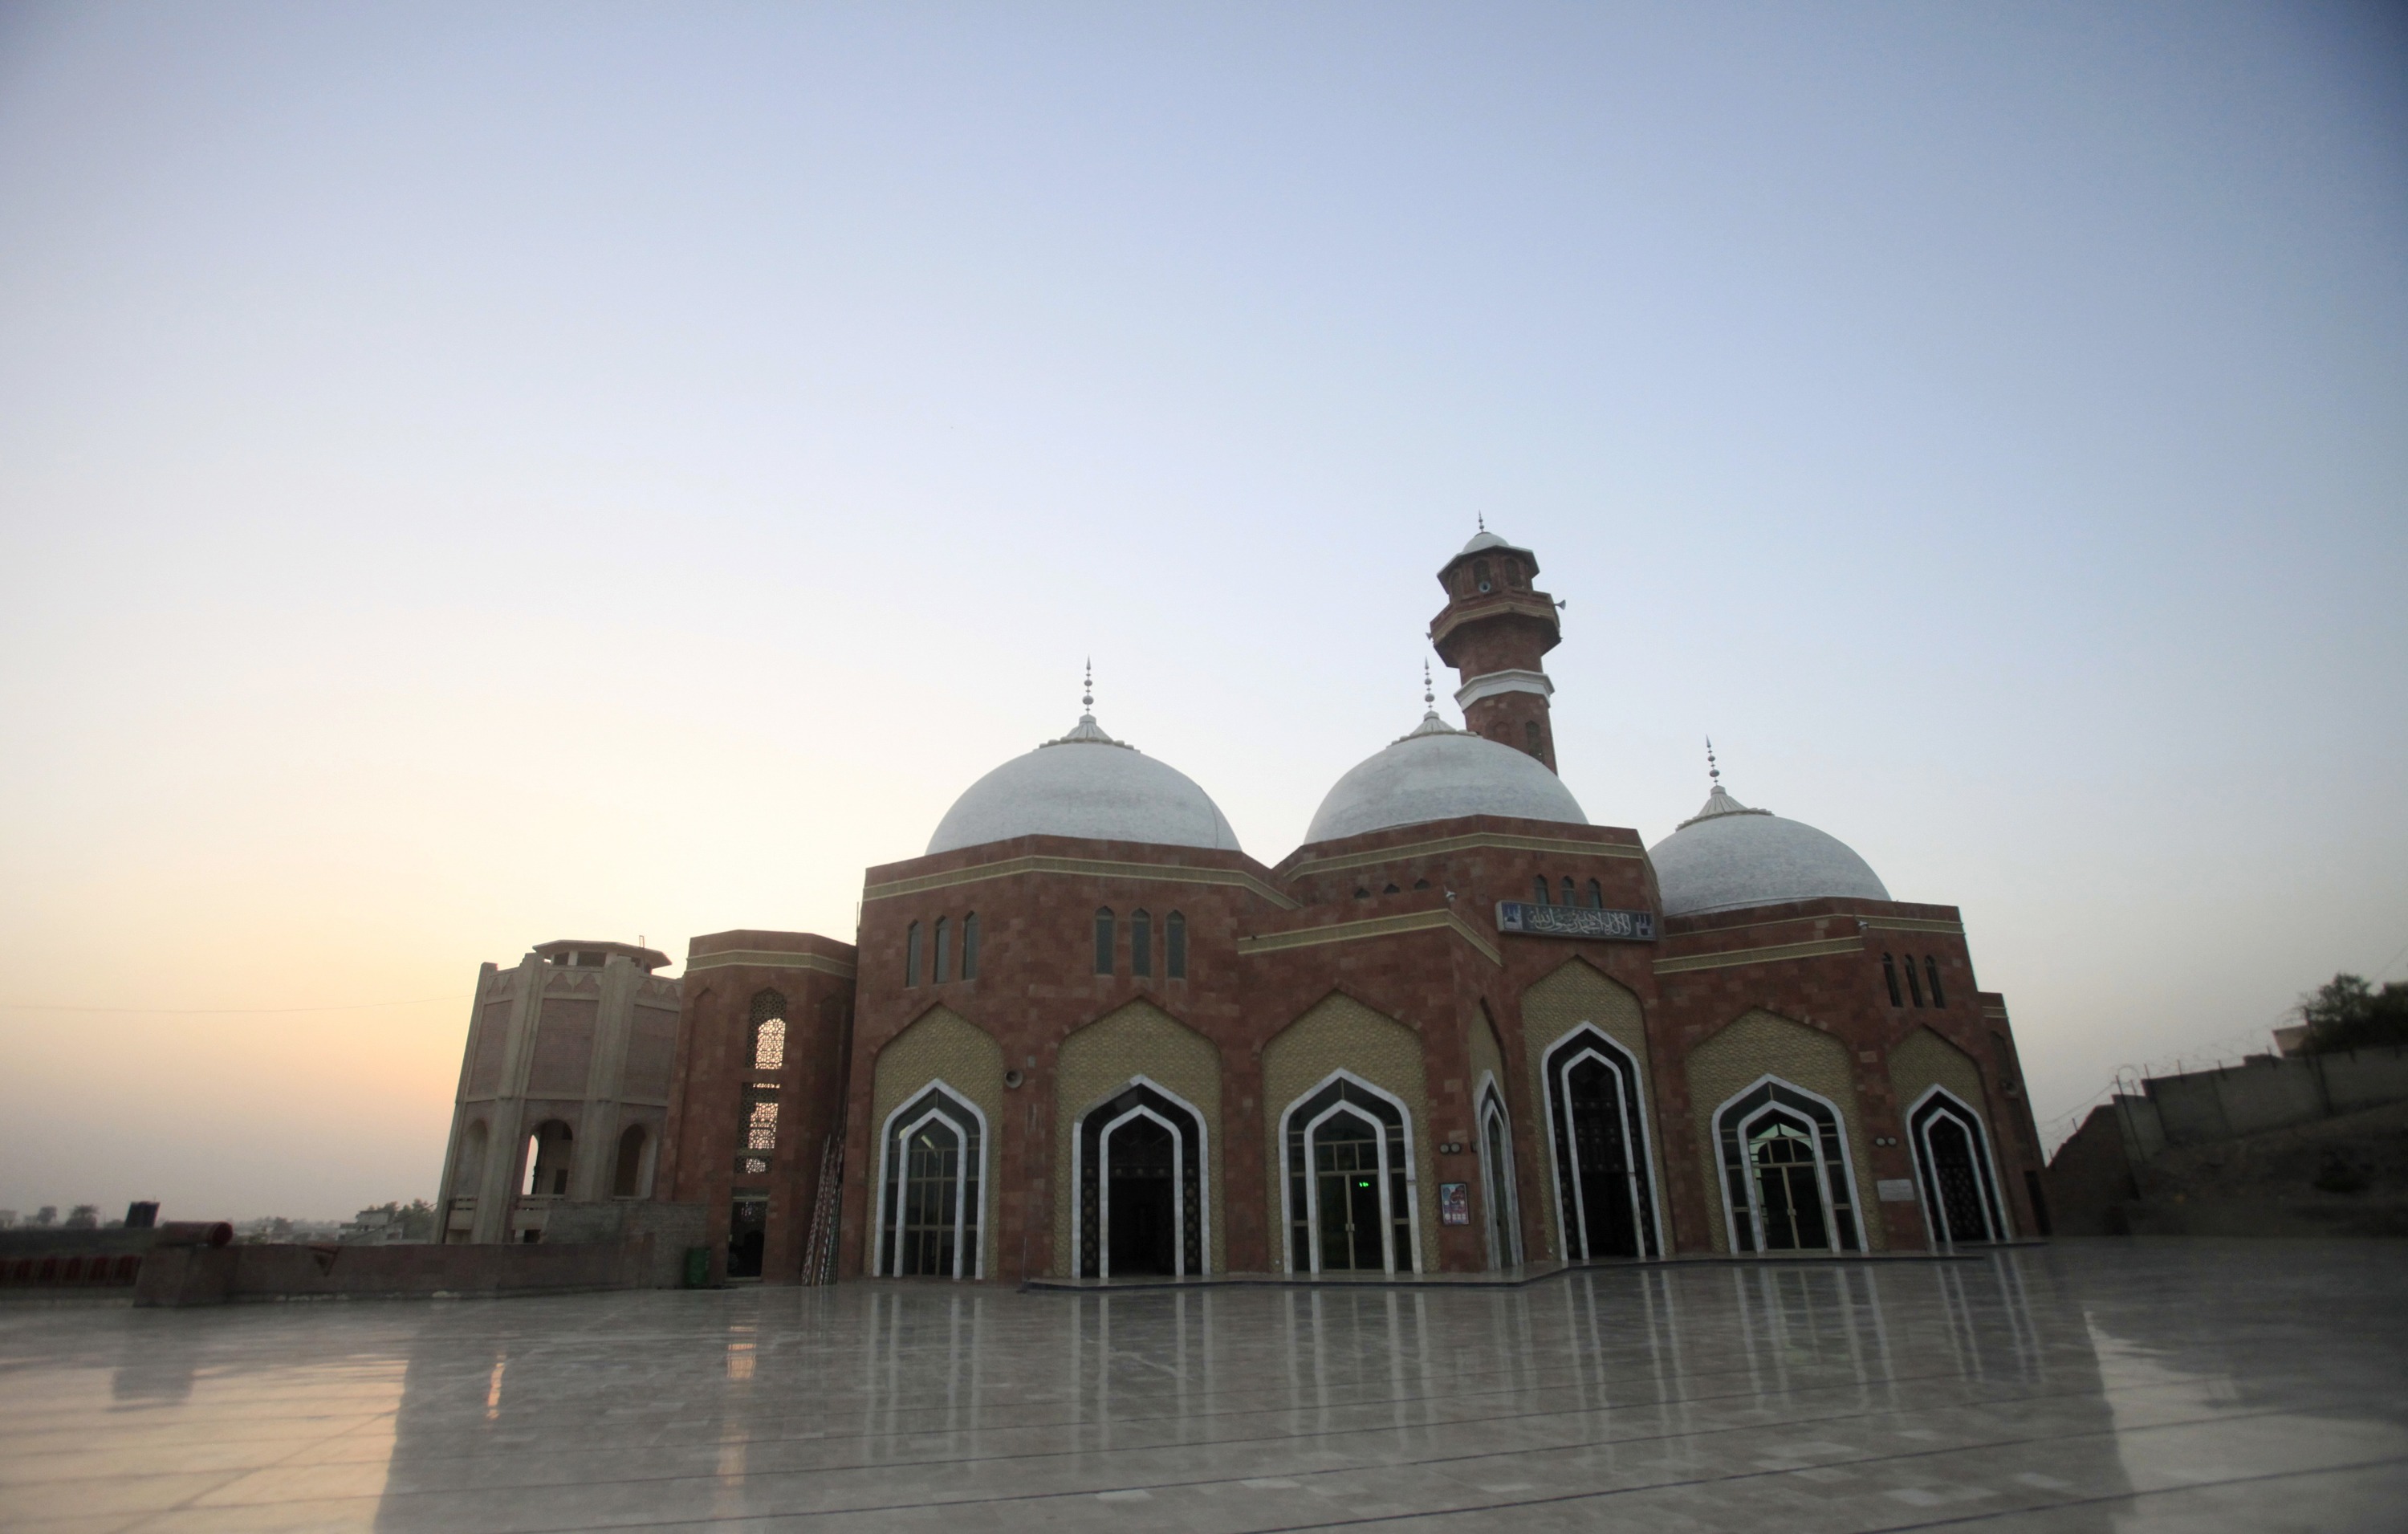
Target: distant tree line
point(2347, 1013)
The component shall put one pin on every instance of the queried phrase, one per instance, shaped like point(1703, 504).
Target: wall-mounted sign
point(1575, 922)
point(1896, 1190)
point(1455, 1203)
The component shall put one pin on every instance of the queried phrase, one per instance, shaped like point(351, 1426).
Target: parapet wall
point(2266, 1093)
point(650, 1258)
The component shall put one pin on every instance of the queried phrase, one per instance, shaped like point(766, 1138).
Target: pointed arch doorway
point(1141, 1169)
point(1596, 1119)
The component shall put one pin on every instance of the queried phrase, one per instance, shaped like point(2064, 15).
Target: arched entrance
point(1787, 1186)
point(1598, 1121)
point(1497, 1168)
point(1349, 1186)
point(931, 1192)
point(1140, 1172)
point(1951, 1158)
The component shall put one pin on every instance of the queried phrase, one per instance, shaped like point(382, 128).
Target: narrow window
point(1539, 885)
point(1480, 574)
point(1931, 973)
point(1103, 940)
point(1174, 952)
point(1889, 973)
point(1140, 941)
point(1596, 896)
point(911, 955)
point(969, 946)
point(944, 950)
point(1531, 740)
point(1914, 986)
point(1571, 898)
point(1513, 573)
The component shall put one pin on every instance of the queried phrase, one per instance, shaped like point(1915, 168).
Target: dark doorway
point(748, 1233)
point(1143, 1226)
point(1789, 1195)
point(1601, 1156)
point(1951, 1154)
point(1346, 1166)
point(1600, 1145)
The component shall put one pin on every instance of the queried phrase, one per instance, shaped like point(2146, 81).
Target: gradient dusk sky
point(475, 475)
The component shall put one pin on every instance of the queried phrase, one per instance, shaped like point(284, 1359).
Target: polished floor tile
point(2086, 1386)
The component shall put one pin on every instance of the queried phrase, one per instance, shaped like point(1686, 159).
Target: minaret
point(1493, 630)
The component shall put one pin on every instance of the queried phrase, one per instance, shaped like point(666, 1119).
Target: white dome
point(1728, 857)
point(1437, 773)
point(1085, 784)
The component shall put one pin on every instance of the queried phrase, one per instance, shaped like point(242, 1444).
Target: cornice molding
point(1772, 954)
point(771, 958)
point(1503, 840)
point(1079, 867)
point(1376, 926)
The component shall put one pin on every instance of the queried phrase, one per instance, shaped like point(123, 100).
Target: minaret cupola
point(1494, 629)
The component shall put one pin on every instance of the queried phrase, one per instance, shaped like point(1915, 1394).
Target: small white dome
point(1485, 539)
point(1085, 784)
point(1437, 773)
point(1728, 857)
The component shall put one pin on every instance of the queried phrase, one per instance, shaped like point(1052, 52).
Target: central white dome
point(1437, 773)
point(1085, 784)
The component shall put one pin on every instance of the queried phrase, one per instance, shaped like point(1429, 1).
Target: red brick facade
point(1402, 923)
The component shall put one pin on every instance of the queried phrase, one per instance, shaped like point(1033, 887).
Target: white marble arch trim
point(1990, 1158)
point(1557, 1155)
point(879, 1257)
point(1412, 1179)
point(1485, 1092)
point(1203, 1168)
point(1822, 1168)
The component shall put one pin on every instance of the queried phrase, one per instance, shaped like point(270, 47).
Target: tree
point(83, 1217)
point(418, 1221)
point(2347, 1013)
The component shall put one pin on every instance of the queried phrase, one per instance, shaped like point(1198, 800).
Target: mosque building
point(1084, 1035)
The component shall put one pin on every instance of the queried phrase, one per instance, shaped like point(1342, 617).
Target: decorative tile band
point(1760, 956)
point(1083, 867)
point(1377, 927)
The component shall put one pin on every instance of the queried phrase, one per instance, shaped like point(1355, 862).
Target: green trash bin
point(697, 1268)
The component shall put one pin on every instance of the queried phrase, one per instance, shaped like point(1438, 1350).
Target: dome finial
point(1429, 699)
point(1714, 773)
point(1087, 695)
point(1481, 518)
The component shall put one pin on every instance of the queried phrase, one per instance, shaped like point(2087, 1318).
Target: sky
point(473, 475)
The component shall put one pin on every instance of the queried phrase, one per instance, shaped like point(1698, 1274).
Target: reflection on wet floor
point(2089, 1386)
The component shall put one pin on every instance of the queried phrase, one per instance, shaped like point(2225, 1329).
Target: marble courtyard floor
point(2088, 1385)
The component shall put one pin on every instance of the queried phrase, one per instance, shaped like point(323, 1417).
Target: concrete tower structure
point(1494, 629)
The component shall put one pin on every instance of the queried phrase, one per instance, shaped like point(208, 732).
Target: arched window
point(1539, 885)
point(1480, 575)
point(1913, 984)
point(1604, 1171)
point(1349, 1180)
point(1571, 898)
point(931, 1197)
point(1391, 890)
point(1889, 973)
point(1174, 948)
point(1596, 896)
point(911, 955)
point(1103, 940)
point(550, 1147)
point(1532, 741)
point(1513, 573)
point(629, 1178)
point(1961, 1198)
point(1140, 941)
point(944, 950)
point(768, 1030)
point(1931, 973)
point(969, 946)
